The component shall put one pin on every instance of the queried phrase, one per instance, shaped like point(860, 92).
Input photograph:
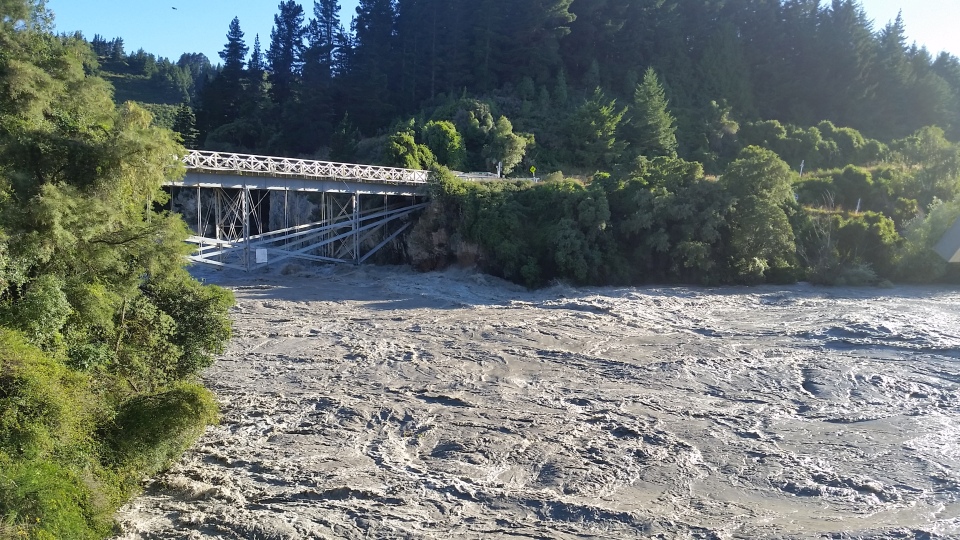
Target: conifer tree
point(185, 123)
point(286, 50)
point(651, 130)
point(234, 51)
point(321, 34)
point(222, 98)
point(593, 132)
point(256, 72)
point(373, 63)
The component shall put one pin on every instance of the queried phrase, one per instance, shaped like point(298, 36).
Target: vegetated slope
point(741, 94)
point(678, 128)
point(102, 330)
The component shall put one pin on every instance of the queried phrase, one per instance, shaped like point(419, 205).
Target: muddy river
point(382, 403)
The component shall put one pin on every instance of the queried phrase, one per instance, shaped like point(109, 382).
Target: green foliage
point(848, 248)
point(403, 151)
point(151, 430)
point(343, 145)
point(935, 163)
point(47, 500)
point(41, 312)
point(917, 261)
point(761, 237)
point(593, 133)
point(504, 146)
point(445, 142)
point(651, 129)
point(47, 415)
point(91, 275)
point(164, 115)
point(672, 219)
point(44, 407)
point(185, 123)
point(202, 327)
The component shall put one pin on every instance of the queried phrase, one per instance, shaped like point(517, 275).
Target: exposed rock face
point(380, 403)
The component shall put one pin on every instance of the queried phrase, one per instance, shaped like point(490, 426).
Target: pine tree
point(286, 50)
point(222, 98)
point(373, 63)
point(185, 123)
point(234, 51)
point(321, 34)
point(651, 130)
point(593, 132)
point(343, 143)
point(256, 73)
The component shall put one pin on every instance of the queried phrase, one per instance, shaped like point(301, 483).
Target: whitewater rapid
point(368, 402)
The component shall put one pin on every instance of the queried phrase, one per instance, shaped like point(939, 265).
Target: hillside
point(654, 100)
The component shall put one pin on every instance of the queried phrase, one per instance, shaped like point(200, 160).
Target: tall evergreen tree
point(593, 133)
point(234, 52)
point(257, 72)
point(321, 34)
point(651, 130)
point(222, 99)
point(316, 112)
point(847, 52)
point(286, 50)
point(185, 123)
point(373, 63)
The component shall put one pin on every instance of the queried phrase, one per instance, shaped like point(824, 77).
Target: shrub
point(45, 500)
point(150, 431)
point(44, 407)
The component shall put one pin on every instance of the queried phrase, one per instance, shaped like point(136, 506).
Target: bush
point(45, 500)
point(150, 431)
point(202, 326)
point(44, 407)
point(47, 414)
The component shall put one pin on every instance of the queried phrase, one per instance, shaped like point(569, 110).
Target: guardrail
point(199, 160)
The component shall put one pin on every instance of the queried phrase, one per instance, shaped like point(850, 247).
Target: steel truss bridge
point(250, 211)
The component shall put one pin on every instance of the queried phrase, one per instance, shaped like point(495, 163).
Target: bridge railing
point(200, 160)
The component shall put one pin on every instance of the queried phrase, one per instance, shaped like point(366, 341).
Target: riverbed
point(370, 402)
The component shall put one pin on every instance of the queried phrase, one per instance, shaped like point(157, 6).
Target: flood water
point(382, 403)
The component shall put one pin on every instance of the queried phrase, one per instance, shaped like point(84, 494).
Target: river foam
point(381, 403)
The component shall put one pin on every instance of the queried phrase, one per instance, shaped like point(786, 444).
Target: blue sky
point(201, 25)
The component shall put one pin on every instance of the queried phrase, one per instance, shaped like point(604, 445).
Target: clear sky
point(201, 25)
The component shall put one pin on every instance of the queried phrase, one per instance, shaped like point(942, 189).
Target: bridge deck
point(226, 170)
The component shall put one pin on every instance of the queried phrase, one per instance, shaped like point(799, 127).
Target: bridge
point(249, 211)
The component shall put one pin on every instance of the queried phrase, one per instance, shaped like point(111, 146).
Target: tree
point(446, 143)
point(934, 162)
point(321, 34)
point(372, 63)
point(234, 51)
point(316, 108)
point(83, 247)
point(286, 50)
point(185, 124)
point(222, 99)
point(761, 237)
point(343, 142)
point(651, 129)
point(593, 133)
point(403, 151)
point(256, 74)
point(504, 146)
